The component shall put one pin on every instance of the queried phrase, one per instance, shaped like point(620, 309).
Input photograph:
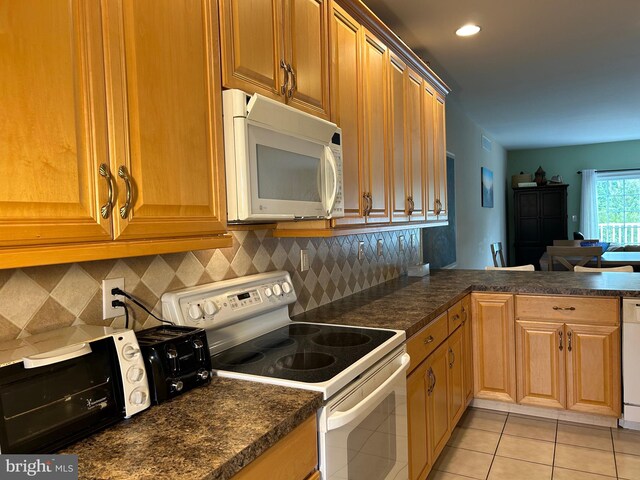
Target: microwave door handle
point(334, 168)
point(56, 356)
point(340, 419)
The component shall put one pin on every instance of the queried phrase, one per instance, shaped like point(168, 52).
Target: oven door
point(363, 431)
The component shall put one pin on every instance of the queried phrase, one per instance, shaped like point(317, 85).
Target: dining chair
point(496, 251)
point(570, 257)
point(524, 268)
point(625, 268)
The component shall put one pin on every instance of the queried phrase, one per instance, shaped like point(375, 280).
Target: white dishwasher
point(631, 362)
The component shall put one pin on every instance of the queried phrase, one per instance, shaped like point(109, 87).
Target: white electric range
point(361, 372)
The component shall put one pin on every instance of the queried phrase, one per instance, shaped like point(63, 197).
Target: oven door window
point(46, 407)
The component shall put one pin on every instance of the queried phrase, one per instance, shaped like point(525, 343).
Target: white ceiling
point(541, 72)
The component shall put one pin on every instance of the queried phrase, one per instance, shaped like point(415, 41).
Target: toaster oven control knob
point(210, 308)
point(277, 289)
point(177, 386)
point(198, 349)
point(172, 355)
point(135, 374)
point(268, 292)
point(195, 312)
point(130, 352)
point(138, 397)
point(203, 374)
point(286, 287)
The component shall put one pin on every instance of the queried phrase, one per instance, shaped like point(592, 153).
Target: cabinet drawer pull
point(560, 335)
point(122, 173)
point(464, 311)
point(564, 308)
point(428, 340)
point(285, 86)
point(105, 210)
point(456, 317)
point(569, 337)
point(452, 356)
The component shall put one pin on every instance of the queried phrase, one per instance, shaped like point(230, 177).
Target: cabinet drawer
point(600, 311)
point(454, 317)
point(426, 340)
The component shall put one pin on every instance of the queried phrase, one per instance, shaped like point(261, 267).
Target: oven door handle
point(342, 418)
point(56, 356)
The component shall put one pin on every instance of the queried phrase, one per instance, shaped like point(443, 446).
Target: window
point(618, 197)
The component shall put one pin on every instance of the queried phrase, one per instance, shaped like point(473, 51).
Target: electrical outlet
point(360, 250)
point(304, 260)
point(379, 245)
point(401, 243)
point(108, 311)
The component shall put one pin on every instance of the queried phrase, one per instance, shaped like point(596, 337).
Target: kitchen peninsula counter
point(208, 433)
point(410, 304)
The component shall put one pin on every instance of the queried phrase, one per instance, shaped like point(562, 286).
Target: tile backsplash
point(37, 299)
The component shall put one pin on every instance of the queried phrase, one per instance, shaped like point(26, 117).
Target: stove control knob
point(210, 308)
point(195, 312)
point(138, 397)
point(286, 287)
point(203, 374)
point(268, 292)
point(135, 374)
point(277, 289)
point(130, 352)
point(177, 386)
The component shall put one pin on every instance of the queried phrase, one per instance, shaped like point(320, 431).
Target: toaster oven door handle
point(334, 169)
point(56, 356)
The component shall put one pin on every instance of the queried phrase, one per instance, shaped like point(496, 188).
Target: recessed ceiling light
point(467, 30)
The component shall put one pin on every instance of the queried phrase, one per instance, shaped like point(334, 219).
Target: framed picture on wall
point(487, 187)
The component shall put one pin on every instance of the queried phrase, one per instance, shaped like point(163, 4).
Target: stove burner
point(305, 361)
point(302, 329)
point(234, 359)
point(271, 343)
point(341, 339)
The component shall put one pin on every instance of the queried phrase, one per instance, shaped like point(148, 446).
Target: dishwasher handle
point(340, 419)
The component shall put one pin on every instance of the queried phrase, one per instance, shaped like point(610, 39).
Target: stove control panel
point(218, 304)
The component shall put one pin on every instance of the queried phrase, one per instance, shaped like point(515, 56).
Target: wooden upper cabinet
point(165, 117)
point(278, 48)
point(346, 109)
point(428, 138)
point(398, 124)
point(440, 159)
point(374, 83)
point(53, 123)
point(417, 171)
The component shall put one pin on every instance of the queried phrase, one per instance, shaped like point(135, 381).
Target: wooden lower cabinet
point(437, 400)
point(468, 348)
point(419, 460)
point(494, 354)
point(455, 362)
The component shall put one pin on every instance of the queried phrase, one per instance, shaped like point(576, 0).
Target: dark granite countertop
point(207, 433)
point(411, 303)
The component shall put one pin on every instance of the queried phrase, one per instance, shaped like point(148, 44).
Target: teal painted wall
point(566, 161)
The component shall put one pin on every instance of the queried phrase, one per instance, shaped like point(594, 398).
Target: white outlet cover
point(360, 250)
point(107, 310)
point(379, 247)
point(401, 243)
point(304, 260)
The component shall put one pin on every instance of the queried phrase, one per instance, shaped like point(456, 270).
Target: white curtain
point(589, 205)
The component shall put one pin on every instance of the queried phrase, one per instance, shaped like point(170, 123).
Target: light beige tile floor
point(490, 445)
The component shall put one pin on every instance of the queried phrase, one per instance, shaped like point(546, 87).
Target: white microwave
point(281, 163)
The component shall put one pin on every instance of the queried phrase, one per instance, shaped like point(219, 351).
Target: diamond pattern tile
point(42, 298)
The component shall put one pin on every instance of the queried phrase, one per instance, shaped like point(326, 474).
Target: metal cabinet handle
point(564, 308)
point(428, 340)
point(569, 337)
point(464, 311)
point(294, 81)
point(410, 206)
point(285, 86)
point(432, 381)
point(105, 210)
point(370, 203)
point(452, 356)
point(438, 207)
point(122, 173)
point(560, 335)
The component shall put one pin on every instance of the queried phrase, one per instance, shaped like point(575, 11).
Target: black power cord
point(118, 291)
point(120, 303)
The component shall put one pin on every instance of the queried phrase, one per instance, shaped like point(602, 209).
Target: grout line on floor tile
point(555, 445)
point(504, 425)
point(615, 456)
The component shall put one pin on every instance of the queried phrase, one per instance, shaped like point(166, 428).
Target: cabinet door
point(440, 161)
point(468, 348)
point(593, 369)
point(252, 46)
point(428, 138)
point(166, 118)
point(307, 51)
point(437, 400)
point(417, 175)
point(374, 83)
point(417, 389)
point(398, 161)
point(494, 358)
point(346, 110)
point(456, 395)
point(53, 123)
point(540, 363)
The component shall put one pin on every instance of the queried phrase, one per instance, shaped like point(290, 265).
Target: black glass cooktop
point(302, 352)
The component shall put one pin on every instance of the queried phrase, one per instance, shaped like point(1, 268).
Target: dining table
point(608, 259)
